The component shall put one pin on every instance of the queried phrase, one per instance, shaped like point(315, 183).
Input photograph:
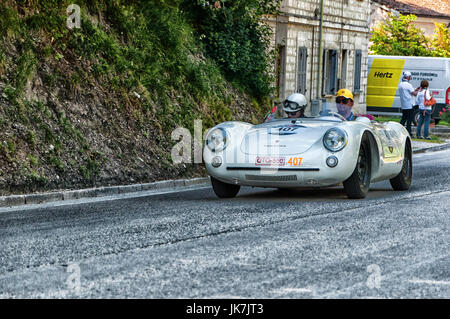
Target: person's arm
point(416, 91)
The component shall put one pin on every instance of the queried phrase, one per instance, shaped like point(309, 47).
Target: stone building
point(344, 50)
point(428, 12)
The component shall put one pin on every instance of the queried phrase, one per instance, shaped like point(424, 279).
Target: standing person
point(406, 92)
point(424, 111)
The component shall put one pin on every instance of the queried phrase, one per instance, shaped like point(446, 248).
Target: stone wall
point(345, 28)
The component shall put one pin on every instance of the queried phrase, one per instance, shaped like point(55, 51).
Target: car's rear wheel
point(403, 180)
point(357, 185)
point(224, 190)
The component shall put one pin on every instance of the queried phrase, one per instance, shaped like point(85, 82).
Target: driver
point(295, 105)
point(344, 104)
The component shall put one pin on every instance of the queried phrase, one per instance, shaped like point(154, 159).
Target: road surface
point(263, 244)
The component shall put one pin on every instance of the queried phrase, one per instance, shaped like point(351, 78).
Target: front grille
point(271, 178)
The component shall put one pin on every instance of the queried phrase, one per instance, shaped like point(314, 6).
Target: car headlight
point(335, 139)
point(217, 139)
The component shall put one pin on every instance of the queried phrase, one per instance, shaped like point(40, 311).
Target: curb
point(432, 149)
point(18, 200)
point(442, 130)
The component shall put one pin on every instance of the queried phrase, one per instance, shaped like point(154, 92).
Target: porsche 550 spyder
point(320, 151)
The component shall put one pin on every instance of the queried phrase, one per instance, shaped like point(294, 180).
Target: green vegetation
point(387, 119)
point(82, 104)
point(445, 114)
point(434, 139)
point(440, 41)
point(150, 48)
point(235, 37)
point(401, 36)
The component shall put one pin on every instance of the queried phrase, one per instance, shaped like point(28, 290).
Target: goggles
point(291, 105)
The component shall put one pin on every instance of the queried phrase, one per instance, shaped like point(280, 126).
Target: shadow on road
point(306, 194)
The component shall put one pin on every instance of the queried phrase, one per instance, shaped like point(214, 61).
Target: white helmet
point(294, 103)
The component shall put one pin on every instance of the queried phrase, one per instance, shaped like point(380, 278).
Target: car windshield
point(328, 111)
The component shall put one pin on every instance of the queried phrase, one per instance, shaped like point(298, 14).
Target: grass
point(387, 119)
point(149, 48)
point(397, 119)
point(434, 139)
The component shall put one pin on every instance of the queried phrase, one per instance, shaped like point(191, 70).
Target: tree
point(440, 42)
point(400, 36)
point(236, 37)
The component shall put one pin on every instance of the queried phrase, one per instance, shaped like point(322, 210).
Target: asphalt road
point(263, 244)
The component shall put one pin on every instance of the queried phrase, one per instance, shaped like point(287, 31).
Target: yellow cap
point(345, 93)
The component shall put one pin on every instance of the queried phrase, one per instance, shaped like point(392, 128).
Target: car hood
point(284, 137)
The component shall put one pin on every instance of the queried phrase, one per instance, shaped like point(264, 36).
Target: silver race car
point(308, 152)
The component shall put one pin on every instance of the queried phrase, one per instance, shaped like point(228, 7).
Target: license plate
point(270, 161)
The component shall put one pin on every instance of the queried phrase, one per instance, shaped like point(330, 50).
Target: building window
point(358, 60)
point(302, 65)
point(329, 74)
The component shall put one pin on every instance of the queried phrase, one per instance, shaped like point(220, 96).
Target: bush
point(445, 114)
point(234, 36)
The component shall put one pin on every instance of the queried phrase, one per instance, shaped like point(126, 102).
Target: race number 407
point(295, 161)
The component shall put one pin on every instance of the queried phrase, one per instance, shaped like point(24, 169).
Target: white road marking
point(393, 274)
point(429, 282)
point(226, 297)
point(429, 153)
point(293, 290)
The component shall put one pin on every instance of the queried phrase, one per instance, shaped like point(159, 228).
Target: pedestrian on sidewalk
point(407, 93)
point(424, 110)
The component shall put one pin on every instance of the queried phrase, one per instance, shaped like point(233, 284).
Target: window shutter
point(302, 66)
point(357, 81)
point(333, 72)
point(324, 72)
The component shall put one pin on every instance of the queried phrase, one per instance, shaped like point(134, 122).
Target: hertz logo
point(385, 75)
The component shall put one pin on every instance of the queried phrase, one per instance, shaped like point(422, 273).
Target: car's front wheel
point(403, 180)
point(357, 185)
point(224, 190)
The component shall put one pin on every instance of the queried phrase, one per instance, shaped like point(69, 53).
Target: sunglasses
point(342, 100)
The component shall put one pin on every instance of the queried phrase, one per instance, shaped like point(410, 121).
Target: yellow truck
point(385, 74)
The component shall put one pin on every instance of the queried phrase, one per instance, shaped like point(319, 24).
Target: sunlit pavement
point(263, 244)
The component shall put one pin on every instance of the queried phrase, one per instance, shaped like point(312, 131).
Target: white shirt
point(405, 89)
point(421, 99)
